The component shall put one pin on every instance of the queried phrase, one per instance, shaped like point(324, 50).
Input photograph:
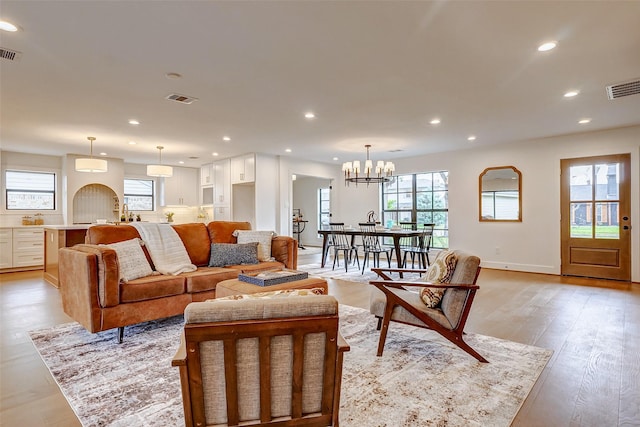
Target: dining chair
point(371, 245)
point(421, 249)
point(340, 242)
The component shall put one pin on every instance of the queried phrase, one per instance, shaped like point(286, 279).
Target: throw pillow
point(440, 271)
point(132, 262)
point(223, 254)
point(284, 293)
point(262, 237)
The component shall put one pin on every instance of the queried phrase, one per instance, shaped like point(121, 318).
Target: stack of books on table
point(276, 277)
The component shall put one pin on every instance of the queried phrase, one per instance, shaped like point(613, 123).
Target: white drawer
point(28, 234)
point(28, 245)
point(26, 260)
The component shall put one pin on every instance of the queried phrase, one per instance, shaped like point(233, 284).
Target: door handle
point(625, 227)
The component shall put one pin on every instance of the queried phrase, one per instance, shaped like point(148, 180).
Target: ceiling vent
point(11, 55)
point(183, 99)
point(623, 89)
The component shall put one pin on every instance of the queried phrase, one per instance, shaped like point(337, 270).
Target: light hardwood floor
point(593, 378)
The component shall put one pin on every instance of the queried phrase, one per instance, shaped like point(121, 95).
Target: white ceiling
point(373, 72)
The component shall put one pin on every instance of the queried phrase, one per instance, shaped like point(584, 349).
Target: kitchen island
point(56, 237)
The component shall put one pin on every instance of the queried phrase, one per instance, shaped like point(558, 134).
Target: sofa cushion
point(195, 238)
point(206, 278)
point(262, 237)
point(151, 287)
point(440, 271)
point(257, 268)
point(223, 254)
point(131, 259)
point(222, 231)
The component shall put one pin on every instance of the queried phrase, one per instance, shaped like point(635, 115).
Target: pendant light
point(91, 164)
point(160, 170)
point(383, 171)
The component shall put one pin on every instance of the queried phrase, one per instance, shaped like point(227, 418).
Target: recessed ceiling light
point(134, 122)
point(309, 115)
point(181, 162)
point(132, 143)
point(226, 138)
point(288, 150)
point(547, 46)
point(471, 138)
point(8, 26)
point(335, 158)
point(103, 154)
point(584, 121)
point(214, 154)
point(571, 94)
point(173, 75)
point(435, 122)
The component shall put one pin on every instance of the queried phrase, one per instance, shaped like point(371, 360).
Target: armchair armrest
point(342, 344)
point(401, 283)
point(382, 271)
point(180, 358)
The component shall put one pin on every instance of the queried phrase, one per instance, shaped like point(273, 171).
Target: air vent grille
point(183, 99)
point(11, 55)
point(623, 89)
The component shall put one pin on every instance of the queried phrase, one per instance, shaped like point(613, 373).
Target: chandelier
point(382, 173)
point(91, 164)
point(160, 170)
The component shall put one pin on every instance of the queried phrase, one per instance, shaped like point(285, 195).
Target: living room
point(520, 260)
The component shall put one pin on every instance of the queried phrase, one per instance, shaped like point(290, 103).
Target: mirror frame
point(519, 174)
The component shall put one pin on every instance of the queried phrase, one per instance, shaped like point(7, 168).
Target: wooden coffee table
point(238, 287)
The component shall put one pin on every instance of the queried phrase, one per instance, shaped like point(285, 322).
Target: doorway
point(595, 230)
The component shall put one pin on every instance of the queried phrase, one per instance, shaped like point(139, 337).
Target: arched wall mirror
point(501, 194)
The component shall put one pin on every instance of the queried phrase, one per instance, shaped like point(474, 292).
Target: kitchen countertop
point(67, 227)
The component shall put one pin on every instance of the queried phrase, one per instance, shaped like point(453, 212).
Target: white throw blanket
point(165, 247)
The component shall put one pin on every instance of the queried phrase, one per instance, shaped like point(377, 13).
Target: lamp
point(160, 170)
point(91, 164)
point(383, 172)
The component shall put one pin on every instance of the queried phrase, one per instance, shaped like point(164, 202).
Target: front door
point(596, 217)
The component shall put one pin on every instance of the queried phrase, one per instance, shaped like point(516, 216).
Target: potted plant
point(169, 216)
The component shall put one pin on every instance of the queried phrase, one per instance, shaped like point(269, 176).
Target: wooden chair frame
point(454, 335)
point(188, 360)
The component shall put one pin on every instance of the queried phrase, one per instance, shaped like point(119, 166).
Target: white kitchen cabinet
point(28, 247)
point(243, 169)
point(6, 248)
point(181, 188)
point(206, 175)
point(222, 213)
point(221, 183)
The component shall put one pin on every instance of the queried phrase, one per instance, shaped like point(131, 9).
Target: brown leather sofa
point(94, 296)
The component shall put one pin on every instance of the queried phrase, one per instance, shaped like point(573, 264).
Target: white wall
point(534, 244)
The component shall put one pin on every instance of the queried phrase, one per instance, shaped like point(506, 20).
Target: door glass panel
point(607, 181)
point(607, 221)
point(580, 182)
point(581, 220)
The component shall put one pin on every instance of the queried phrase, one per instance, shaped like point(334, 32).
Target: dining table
point(395, 234)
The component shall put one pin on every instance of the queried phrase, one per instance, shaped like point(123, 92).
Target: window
point(138, 194)
point(30, 190)
point(324, 206)
point(422, 198)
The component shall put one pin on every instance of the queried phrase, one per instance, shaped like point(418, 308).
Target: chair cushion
point(132, 262)
point(283, 293)
point(440, 271)
point(223, 254)
point(262, 237)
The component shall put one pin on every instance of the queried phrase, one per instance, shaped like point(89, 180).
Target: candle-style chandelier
point(383, 172)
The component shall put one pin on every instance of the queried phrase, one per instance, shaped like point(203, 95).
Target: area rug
point(420, 380)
